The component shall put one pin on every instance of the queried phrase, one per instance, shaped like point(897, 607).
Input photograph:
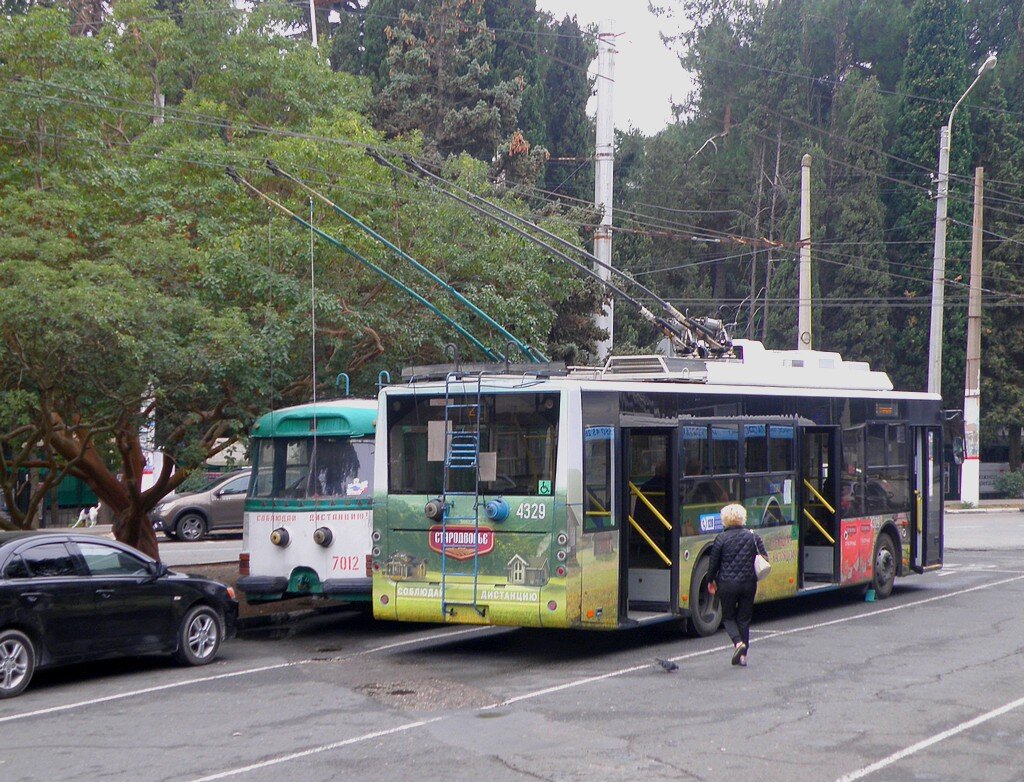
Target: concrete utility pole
point(939, 262)
point(312, 23)
point(970, 470)
point(603, 164)
point(803, 331)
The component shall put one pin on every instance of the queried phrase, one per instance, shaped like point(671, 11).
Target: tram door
point(651, 530)
point(819, 500)
point(927, 538)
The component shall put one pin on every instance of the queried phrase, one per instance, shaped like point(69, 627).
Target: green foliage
point(569, 133)
point(138, 280)
point(437, 82)
point(1010, 484)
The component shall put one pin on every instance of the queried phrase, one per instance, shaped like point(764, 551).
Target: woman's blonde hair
point(734, 516)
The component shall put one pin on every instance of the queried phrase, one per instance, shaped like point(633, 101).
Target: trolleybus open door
point(926, 538)
point(819, 501)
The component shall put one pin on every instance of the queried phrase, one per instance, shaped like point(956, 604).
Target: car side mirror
point(157, 570)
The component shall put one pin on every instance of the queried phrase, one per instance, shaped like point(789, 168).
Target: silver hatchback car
point(192, 515)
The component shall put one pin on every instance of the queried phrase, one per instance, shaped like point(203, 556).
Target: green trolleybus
point(307, 514)
point(589, 498)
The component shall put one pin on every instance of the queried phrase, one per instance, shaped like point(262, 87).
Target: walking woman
point(731, 576)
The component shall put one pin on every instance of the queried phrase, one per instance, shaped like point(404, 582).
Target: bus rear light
point(280, 537)
point(552, 605)
point(323, 536)
point(561, 555)
point(243, 563)
point(562, 538)
point(371, 566)
point(384, 600)
point(375, 535)
point(560, 570)
point(375, 551)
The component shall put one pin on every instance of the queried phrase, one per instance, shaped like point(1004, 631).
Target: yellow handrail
point(821, 529)
point(920, 509)
point(650, 542)
point(657, 514)
point(821, 499)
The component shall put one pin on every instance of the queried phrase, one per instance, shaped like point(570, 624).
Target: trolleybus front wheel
point(705, 608)
point(884, 567)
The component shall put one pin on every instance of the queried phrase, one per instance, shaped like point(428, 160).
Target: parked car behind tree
point(217, 505)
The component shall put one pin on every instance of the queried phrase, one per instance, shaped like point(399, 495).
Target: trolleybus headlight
point(323, 536)
point(280, 537)
point(434, 510)
point(562, 538)
point(560, 556)
point(496, 509)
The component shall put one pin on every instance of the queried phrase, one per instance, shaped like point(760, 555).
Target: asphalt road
point(923, 686)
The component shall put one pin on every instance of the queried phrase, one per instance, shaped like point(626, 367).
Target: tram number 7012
point(344, 563)
point(532, 510)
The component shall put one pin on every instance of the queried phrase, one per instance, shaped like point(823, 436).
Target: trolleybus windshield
point(518, 439)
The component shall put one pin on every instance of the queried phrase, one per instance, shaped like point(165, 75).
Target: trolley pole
point(603, 163)
point(803, 331)
point(971, 468)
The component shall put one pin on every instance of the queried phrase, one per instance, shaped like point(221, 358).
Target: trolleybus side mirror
point(958, 450)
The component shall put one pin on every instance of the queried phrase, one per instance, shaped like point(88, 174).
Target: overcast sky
point(647, 74)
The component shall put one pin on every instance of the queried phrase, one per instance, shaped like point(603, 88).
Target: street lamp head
point(989, 64)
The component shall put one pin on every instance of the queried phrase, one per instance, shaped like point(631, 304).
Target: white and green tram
point(588, 498)
point(307, 513)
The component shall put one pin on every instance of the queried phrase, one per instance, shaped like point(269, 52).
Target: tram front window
point(306, 468)
point(518, 439)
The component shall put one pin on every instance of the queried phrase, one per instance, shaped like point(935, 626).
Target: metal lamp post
point(939, 265)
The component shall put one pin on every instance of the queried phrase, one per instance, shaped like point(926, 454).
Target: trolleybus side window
point(597, 478)
point(768, 490)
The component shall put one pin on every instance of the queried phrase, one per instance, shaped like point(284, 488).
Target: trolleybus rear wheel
point(705, 608)
point(884, 567)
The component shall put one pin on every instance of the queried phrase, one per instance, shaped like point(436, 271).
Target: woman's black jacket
point(732, 556)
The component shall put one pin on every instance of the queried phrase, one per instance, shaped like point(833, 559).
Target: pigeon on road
point(668, 665)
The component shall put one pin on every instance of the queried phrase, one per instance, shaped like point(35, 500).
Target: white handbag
point(762, 567)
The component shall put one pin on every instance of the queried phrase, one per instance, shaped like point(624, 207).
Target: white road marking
point(914, 748)
point(316, 750)
point(591, 679)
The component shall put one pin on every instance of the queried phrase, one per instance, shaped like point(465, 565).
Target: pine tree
point(437, 72)
point(935, 74)
point(569, 134)
point(856, 289)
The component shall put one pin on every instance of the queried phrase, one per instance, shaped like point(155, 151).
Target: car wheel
point(17, 662)
point(190, 527)
point(199, 636)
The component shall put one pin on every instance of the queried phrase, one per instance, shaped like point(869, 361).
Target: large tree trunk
point(132, 526)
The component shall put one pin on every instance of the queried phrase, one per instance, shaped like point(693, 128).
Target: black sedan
point(69, 598)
